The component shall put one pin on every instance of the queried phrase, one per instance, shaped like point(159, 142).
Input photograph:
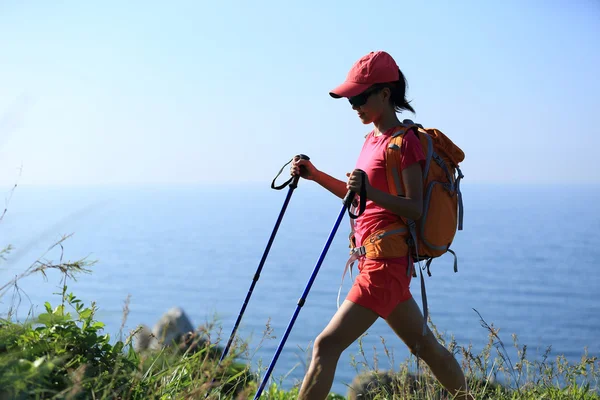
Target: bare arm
point(332, 184)
point(309, 172)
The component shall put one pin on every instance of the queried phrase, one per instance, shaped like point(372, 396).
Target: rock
point(143, 338)
point(174, 330)
point(387, 385)
point(368, 386)
point(170, 328)
point(192, 342)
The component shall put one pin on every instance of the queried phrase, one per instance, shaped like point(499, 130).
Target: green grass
point(65, 353)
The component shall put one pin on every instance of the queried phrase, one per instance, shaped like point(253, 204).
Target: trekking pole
point(346, 205)
point(293, 184)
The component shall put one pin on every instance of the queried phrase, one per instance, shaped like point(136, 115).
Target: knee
point(327, 344)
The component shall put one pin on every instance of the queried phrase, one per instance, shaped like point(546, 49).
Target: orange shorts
point(380, 285)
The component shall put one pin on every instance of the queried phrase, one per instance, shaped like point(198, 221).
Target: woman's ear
point(387, 93)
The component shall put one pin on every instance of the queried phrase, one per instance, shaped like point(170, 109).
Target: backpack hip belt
point(385, 243)
point(388, 242)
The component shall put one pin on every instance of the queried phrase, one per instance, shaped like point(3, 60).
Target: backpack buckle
point(352, 240)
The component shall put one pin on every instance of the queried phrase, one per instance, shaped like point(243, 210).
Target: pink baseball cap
point(375, 67)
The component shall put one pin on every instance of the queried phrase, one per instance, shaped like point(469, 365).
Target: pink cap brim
point(349, 89)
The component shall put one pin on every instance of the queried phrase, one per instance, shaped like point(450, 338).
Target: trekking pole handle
point(293, 181)
point(348, 200)
point(302, 168)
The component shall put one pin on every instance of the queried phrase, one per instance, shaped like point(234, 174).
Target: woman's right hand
point(308, 172)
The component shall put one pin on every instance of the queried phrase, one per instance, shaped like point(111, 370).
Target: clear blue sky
point(188, 91)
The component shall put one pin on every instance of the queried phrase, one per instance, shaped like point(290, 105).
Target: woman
point(375, 87)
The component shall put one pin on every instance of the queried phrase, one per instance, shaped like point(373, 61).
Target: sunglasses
point(361, 99)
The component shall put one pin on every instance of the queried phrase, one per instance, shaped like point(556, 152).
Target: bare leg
point(348, 323)
point(407, 321)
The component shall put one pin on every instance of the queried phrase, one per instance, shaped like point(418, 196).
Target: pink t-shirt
point(372, 161)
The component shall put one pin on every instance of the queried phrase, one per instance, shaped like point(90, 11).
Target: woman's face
point(371, 104)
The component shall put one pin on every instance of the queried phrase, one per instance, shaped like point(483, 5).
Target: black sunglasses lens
point(359, 100)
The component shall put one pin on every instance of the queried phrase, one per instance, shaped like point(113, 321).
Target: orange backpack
point(431, 235)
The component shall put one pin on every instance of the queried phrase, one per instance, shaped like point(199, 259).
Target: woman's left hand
point(355, 181)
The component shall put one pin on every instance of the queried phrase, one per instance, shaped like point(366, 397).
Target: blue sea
point(529, 263)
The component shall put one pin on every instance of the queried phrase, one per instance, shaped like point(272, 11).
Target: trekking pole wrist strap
point(362, 197)
point(293, 179)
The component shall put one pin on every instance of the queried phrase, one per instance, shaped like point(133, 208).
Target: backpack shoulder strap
point(392, 164)
point(393, 157)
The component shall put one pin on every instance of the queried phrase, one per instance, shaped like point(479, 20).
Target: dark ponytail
point(398, 97)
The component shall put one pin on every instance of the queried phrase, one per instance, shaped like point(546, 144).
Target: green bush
point(64, 354)
point(57, 354)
